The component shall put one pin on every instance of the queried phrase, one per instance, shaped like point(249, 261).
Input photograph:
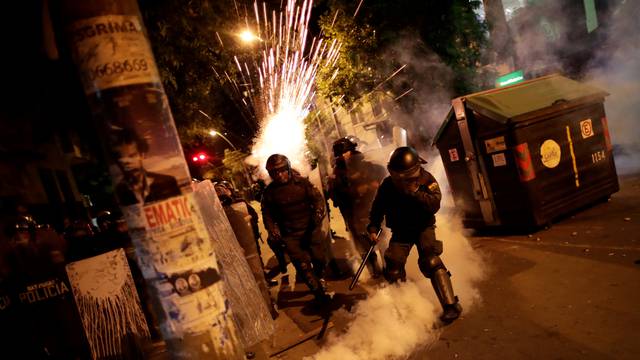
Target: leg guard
point(433, 268)
point(394, 271)
point(441, 281)
point(312, 281)
point(395, 258)
point(279, 253)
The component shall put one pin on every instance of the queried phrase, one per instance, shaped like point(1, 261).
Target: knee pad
point(430, 264)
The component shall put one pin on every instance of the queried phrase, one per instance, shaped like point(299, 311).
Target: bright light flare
point(247, 36)
point(213, 133)
point(283, 133)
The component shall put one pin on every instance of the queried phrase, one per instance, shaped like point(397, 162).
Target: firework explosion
point(281, 84)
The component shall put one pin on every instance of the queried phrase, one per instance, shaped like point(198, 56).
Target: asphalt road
point(571, 291)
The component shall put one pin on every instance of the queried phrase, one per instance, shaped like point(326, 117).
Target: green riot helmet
point(405, 162)
point(277, 164)
point(343, 145)
point(224, 192)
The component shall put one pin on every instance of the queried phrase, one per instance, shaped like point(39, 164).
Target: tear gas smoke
point(389, 324)
point(616, 69)
point(399, 319)
point(421, 111)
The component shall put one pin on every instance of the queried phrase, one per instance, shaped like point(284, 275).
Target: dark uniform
point(409, 199)
point(44, 318)
point(352, 188)
point(291, 209)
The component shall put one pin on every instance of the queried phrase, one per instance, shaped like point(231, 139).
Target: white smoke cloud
point(396, 320)
point(389, 324)
point(431, 84)
point(617, 70)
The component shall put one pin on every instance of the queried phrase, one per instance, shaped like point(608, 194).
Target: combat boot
point(451, 312)
point(315, 284)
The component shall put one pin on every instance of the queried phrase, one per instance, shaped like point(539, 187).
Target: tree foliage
point(190, 39)
point(451, 29)
point(354, 72)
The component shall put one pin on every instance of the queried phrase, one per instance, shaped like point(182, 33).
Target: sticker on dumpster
point(496, 144)
point(550, 153)
point(453, 155)
point(523, 159)
point(598, 156)
point(586, 128)
point(499, 160)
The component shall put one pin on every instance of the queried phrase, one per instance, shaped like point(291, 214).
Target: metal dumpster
point(524, 155)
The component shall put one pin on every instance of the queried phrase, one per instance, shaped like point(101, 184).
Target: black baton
point(364, 262)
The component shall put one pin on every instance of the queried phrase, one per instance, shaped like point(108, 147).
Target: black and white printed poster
point(108, 303)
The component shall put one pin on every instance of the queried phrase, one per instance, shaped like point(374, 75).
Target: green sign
point(591, 15)
point(510, 79)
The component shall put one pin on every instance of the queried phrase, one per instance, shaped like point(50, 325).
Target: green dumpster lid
point(515, 101)
point(507, 103)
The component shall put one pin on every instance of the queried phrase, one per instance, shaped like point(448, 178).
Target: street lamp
point(214, 133)
point(244, 168)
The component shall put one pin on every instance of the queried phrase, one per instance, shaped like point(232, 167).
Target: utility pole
point(110, 49)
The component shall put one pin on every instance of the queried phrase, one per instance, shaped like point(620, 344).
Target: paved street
point(567, 292)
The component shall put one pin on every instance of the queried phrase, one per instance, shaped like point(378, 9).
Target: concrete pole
point(110, 49)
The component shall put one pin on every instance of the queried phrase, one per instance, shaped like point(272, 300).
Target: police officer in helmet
point(352, 187)
point(409, 199)
point(292, 208)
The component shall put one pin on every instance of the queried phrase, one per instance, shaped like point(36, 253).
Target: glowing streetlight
point(247, 36)
point(244, 169)
point(215, 133)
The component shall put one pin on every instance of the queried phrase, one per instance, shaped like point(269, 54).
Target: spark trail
point(281, 82)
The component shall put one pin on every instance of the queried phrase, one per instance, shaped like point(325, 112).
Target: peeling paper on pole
point(177, 258)
point(250, 311)
point(112, 51)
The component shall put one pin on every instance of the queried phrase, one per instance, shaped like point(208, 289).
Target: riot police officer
point(291, 209)
point(352, 187)
point(409, 199)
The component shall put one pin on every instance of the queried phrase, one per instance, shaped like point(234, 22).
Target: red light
point(200, 157)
